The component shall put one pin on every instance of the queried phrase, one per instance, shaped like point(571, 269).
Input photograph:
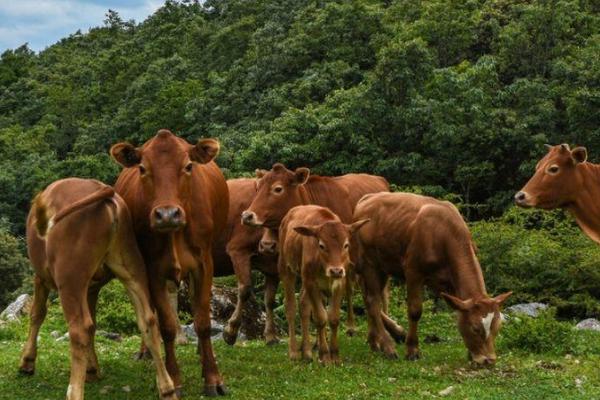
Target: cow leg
point(241, 266)
point(288, 280)
point(75, 308)
point(36, 316)
point(320, 318)
point(305, 309)
point(386, 297)
point(213, 382)
point(372, 284)
point(92, 370)
point(271, 283)
point(415, 309)
point(350, 322)
point(334, 322)
point(167, 325)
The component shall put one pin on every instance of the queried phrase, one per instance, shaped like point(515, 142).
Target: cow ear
point(306, 230)
point(579, 154)
point(301, 175)
point(260, 173)
point(126, 154)
point(355, 226)
point(458, 304)
point(205, 151)
point(501, 298)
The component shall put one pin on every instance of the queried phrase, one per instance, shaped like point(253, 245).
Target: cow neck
point(467, 277)
point(305, 195)
point(586, 208)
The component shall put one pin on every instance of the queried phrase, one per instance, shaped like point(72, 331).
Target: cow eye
point(553, 169)
point(321, 246)
point(142, 169)
point(278, 189)
point(188, 167)
point(346, 246)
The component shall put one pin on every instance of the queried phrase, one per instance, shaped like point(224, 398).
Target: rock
point(17, 308)
point(126, 389)
point(222, 306)
point(189, 332)
point(591, 324)
point(110, 335)
point(105, 389)
point(529, 309)
point(446, 391)
point(55, 334)
point(63, 337)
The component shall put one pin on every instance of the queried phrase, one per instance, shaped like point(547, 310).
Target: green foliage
point(115, 311)
point(540, 257)
point(14, 267)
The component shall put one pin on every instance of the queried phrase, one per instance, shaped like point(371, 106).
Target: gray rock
point(17, 308)
point(110, 335)
point(55, 334)
point(189, 332)
point(529, 309)
point(591, 324)
point(63, 338)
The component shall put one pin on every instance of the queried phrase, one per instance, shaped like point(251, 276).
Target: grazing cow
point(564, 179)
point(179, 200)
point(280, 189)
point(79, 235)
point(233, 252)
point(315, 245)
point(425, 242)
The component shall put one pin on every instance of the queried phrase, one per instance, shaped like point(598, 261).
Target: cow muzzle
point(522, 199)
point(167, 218)
point(267, 247)
point(249, 218)
point(336, 272)
point(483, 360)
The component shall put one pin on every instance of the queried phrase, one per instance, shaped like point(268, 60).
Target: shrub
point(115, 311)
point(14, 267)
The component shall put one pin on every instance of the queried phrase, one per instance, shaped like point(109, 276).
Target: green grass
point(254, 371)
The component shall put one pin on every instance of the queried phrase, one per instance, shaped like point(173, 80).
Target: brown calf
point(564, 179)
point(280, 189)
point(315, 245)
point(425, 242)
point(236, 251)
point(79, 236)
point(179, 201)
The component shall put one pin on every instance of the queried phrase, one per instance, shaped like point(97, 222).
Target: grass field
point(254, 371)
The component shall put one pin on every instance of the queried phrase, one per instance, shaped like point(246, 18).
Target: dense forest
point(456, 97)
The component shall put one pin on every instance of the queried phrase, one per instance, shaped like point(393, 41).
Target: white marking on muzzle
point(487, 323)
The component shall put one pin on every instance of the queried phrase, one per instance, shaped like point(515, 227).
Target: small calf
point(314, 245)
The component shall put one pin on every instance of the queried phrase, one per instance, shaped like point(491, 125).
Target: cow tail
point(102, 194)
point(41, 215)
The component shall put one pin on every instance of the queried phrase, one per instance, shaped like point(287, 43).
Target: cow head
point(556, 179)
point(479, 322)
point(277, 192)
point(332, 240)
point(268, 242)
point(165, 165)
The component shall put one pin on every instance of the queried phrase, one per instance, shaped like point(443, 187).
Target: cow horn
point(548, 146)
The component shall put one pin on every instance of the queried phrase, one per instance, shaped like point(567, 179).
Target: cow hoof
point(222, 389)
point(272, 341)
point(229, 338)
point(391, 356)
point(92, 376)
point(179, 392)
point(413, 356)
point(26, 371)
point(210, 391)
point(142, 355)
point(350, 332)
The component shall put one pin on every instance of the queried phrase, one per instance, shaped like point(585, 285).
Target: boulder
point(529, 309)
point(591, 324)
point(17, 308)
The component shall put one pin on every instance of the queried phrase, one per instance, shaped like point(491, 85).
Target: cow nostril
point(176, 214)
point(158, 214)
point(520, 196)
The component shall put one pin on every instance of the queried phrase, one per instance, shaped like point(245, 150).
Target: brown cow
point(315, 245)
point(178, 199)
point(426, 242)
point(564, 179)
point(280, 189)
point(79, 236)
point(233, 252)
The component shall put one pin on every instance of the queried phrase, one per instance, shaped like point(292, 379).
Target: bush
point(115, 311)
point(14, 267)
point(540, 257)
point(543, 334)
